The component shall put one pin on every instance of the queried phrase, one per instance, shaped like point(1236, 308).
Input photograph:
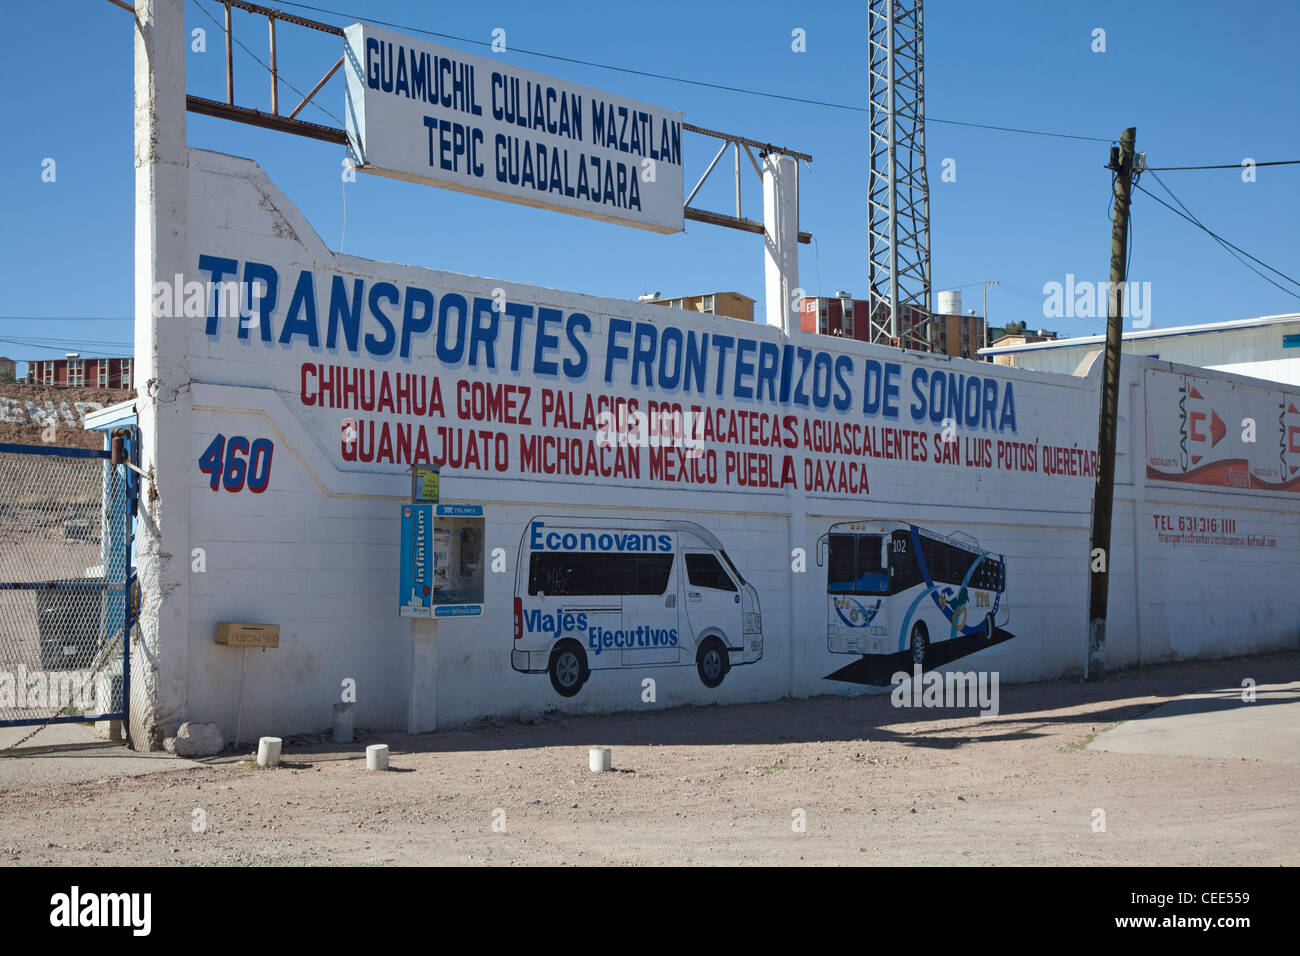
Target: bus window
point(841, 565)
point(705, 571)
point(935, 558)
point(854, 566)
point(870, 576)
point(986, 575)
point(959, 564)
point(904, 571)
point(646, 573)
point(990, 575)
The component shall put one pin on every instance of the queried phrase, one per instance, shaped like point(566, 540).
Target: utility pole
point(1121, 164)
point(987, 337)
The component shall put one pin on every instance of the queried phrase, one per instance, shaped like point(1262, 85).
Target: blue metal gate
point(67, 582)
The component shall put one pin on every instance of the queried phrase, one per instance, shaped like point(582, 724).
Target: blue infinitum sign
point(415, 597)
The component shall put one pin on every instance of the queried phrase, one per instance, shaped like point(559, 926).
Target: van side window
point(705, 571)
point(646, 573)
point(575, 574)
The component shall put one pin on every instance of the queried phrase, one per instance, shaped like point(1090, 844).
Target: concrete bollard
point(268, 751)
point(343, 723)
point(377, 757)
point(599, 759)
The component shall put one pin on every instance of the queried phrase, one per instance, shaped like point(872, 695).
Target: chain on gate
point(103, 659)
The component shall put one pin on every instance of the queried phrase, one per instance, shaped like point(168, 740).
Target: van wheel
point(920, 644)
point(712, 663)
point(568, 668)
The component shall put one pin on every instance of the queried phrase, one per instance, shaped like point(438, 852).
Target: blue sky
point(1200, 84)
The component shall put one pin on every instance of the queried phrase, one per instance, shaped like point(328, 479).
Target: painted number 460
point(231, 463)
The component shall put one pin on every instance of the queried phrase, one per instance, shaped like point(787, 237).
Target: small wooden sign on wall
point(248, 635)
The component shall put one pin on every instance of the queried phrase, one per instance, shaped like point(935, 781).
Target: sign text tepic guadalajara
point(430, 114)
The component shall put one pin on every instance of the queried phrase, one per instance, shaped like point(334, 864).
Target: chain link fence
point(64, 566)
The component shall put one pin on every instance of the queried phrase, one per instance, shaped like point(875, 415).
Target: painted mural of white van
point(599, 593)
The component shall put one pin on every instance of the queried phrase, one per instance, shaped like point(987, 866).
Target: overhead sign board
point(431, 114)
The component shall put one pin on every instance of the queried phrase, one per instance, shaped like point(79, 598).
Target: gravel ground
point(711, 785)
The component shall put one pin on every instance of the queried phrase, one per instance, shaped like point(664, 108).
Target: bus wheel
point(920, 644)
point(711, 661)
point(568, 668)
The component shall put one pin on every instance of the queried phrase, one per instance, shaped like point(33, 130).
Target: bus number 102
point(233, 463)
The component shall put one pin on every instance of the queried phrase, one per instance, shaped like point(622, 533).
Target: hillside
point(25, 411)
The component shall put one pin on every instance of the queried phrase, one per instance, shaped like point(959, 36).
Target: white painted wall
point(317, 551)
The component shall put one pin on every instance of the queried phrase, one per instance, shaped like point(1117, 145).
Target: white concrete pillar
point(422, 706)
point(780, 240)
point(377, 757)
point(268, 751)
point(159, 669)
point(798, 613)
point(342, 733)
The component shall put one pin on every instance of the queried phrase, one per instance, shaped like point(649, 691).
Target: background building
point(953, 332)
point(77, 372)
point(8, 369)
point(847, 317)
point(958, 335)
point(733, 305)
point(1015, 333)
point(950, 332)
point(1267, 347)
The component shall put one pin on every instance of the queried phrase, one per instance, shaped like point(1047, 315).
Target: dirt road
point(713, 785)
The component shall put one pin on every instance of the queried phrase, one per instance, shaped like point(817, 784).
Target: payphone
point(442, 563)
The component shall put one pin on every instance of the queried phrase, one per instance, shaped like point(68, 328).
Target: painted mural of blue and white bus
point(599, 593)
point(894, 588)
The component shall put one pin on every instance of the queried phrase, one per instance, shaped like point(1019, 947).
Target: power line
point(1232, 249)
point(1023, 293)
point(965, 285)
point(60, 338)
point(1170, 169)
point(44, 343)
point(1215, 235)
point(679, 79)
